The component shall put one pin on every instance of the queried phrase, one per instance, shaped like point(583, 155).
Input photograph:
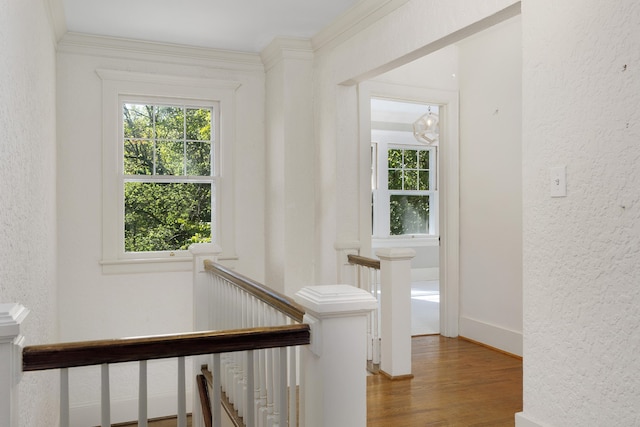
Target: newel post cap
point(11, 316)
point(394, 254)
point(335, 300)
point(205, 249)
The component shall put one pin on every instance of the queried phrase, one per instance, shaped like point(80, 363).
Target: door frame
point(448, 182)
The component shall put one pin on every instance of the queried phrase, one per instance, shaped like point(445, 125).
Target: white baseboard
point(126, 410)
point(491, 335)
point(523, 421)
point(421, 274)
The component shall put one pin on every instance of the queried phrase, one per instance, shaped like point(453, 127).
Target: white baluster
point(293, 386)
point(182, 394)
point(105, 397)
point(216, 395)
point(64, 397)
point(249, 416)
point(142, 394)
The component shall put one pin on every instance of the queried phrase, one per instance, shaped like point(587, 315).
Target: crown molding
point(286, 48)
point(86, 44)
point(360, 16)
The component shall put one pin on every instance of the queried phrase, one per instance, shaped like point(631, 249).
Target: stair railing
point(259, 386)
point(255, 365)
point(106, 352)
point(367, 277)
point(388, 279)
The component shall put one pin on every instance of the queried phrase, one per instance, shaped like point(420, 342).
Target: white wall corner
point(57, 19)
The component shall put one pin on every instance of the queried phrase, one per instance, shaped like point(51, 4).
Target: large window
point(404, 193)
point(167, 169)
point(168, 178)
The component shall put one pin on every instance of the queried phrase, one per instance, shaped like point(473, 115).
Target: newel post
point(201, 315)
point(395, 306)
point(333, 367)
point(11, 343)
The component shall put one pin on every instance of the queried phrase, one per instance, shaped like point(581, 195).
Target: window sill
point(404, 241)
point(152, 265)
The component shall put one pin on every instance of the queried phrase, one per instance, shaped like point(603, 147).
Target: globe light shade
point(426, 129)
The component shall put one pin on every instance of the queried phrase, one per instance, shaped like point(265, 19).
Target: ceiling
point(239, 25)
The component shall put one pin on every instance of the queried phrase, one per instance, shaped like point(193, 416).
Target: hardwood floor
point(456, 383)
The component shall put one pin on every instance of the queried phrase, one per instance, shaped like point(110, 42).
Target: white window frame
point(382, 142)
point(123, 86)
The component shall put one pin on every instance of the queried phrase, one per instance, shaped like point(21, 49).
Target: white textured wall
point(94, 305)
point(27, 188)
point(582, 252)
point(491, 186)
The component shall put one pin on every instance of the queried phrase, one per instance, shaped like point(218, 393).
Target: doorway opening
point(404, 189)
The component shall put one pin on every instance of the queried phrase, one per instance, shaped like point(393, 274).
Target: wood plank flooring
point(456, 383)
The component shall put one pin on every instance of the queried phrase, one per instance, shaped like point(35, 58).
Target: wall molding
point(282, 48)
point(113, 47)
point(491, 335)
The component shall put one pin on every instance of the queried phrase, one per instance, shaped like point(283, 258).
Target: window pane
point(395, 159)
point(166, 217)
point(424, 180)
point(137, 121)
point(409, 215)
point(410, 180)
point(138, 157)
point(169, 158)
point(423, 159)
point(411, 159)
point(199, 158)
point(169, 123)
point(199, 124)
point(395, 179)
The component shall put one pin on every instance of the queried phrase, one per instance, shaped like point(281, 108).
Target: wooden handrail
point(364, 261)
point(68, 355)
point(275, 299)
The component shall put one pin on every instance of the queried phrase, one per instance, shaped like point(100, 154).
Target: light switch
point(558, 181)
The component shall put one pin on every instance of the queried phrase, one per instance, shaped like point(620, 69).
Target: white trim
point(112, 47)
point(448, 184)
point(523, 421)
point(115, 85)
point(286, 48)
point(493, 335)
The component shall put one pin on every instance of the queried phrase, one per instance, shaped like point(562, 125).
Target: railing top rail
point(87, 353)
point(275, 299)
point(364, 261)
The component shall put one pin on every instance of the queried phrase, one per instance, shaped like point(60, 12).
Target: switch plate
point(558, 181)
